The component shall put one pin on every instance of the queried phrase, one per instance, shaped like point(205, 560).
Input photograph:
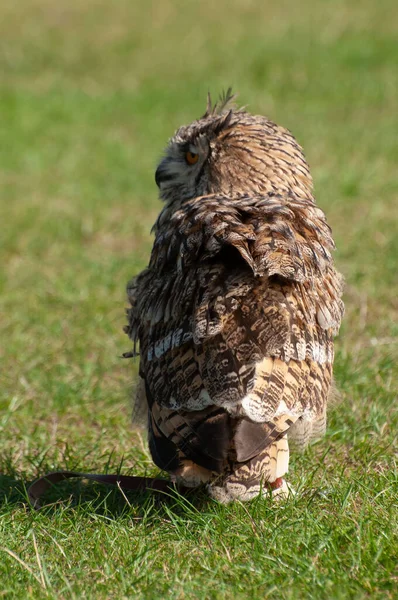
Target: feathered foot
point(229, 492)
point(190, 475)
point(263, 474)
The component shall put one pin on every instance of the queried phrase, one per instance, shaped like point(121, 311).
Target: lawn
point(89, 94)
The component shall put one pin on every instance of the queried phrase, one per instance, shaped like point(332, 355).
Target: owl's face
point(184, 171)
point(231, 152)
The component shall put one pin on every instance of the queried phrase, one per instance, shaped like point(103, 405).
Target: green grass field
point(89, 94)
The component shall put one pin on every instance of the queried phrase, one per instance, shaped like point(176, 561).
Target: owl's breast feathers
point(237, 310)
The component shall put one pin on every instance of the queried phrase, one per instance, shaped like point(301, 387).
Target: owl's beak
point(162, 174)
point(158, 175)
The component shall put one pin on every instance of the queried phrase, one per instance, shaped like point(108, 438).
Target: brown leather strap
point(126, 483)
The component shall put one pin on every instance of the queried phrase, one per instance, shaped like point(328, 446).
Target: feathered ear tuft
point(222, 105)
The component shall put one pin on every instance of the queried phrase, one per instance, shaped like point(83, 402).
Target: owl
point(236, 313)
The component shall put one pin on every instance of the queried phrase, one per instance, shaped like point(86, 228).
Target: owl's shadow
point(11, 489)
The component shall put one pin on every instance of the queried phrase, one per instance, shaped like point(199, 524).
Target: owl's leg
point(260, 475)
point(168, 457)
point(191, 446)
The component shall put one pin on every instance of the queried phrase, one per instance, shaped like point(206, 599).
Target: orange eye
point(191, 158)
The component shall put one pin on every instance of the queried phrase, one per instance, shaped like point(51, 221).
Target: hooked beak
point(162, 174)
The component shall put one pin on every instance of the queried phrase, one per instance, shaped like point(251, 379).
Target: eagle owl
point(236, 312)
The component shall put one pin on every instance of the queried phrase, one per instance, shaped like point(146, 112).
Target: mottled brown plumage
point(236, 312)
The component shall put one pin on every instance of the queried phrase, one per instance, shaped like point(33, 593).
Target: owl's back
point(235, 317)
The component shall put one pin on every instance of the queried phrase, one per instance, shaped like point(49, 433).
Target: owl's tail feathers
point(263, 475)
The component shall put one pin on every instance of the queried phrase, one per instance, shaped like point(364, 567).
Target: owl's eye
point(191, 157)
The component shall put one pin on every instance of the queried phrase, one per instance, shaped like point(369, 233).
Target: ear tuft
point(222, 105)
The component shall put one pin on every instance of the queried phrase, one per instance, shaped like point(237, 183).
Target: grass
point(90, 92)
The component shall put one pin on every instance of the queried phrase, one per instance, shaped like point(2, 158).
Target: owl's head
point(230, 151)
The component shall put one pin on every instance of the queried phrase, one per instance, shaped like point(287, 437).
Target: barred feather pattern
point(250, 334)
point(236, 313)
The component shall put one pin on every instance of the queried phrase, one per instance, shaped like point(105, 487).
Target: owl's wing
point(236, 310)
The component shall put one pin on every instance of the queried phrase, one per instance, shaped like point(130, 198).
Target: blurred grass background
point(89, 94)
